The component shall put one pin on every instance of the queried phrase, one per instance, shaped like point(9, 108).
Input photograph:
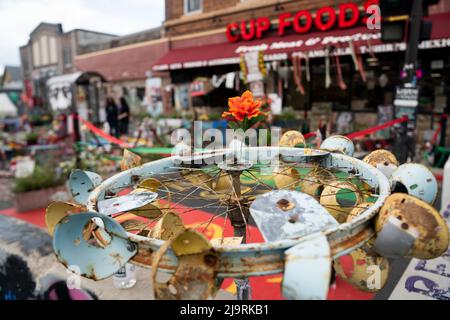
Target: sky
point(19, 17)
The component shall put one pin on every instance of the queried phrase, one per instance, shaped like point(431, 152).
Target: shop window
point(67, 57)
point(334, 94)
point(192, 6)
point(140, 92)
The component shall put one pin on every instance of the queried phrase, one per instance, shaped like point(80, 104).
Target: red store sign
point(347, 16)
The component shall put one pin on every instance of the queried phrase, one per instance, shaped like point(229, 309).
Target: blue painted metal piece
point(418, 180)
point(94, 259)
point(82, 183)
point(339, 144)
point(307, 270)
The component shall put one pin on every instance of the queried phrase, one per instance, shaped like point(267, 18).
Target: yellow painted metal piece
point(286, 178)
point(330, 199)
point(292, 139)
point(149, 211)
point(56, 211)
point(190, 242)
point(150, 184)
point(381, 157)
point(130, 160)
point(153, 185)
point(313, 183)
point(362, 207)
point(224, 184)
point(369, 271)
point(433, 233)
point(200, 179)
point(168, 227)
point(195, 276)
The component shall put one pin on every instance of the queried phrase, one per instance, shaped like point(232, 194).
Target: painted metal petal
point(292, 138)
point(130, 160)
point(94, 261)
point(82, 183)
point(339, 144)
point(126, 203)
point(415, 179)
point(407, 226)
point(284, 214)
point(56, 211)
point(307, 270)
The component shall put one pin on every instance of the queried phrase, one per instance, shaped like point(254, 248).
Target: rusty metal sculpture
point(311, 206)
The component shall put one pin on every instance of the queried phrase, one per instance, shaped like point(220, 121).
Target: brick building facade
point(125, 62)
point(192, 44)
point(51, 52)
point(199, 48)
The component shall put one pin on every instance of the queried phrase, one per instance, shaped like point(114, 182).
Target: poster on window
point(253, 67)
point(276, 103)
point(257, 88)
point(344, 123)
point(182, 97)
point(385, 114)
point(60, 96)
point(153, 97)
point(197, 89)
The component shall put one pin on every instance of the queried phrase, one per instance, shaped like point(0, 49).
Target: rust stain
point(412, 214)
point(352, 241)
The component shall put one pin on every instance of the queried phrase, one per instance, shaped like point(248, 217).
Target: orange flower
point(243, 107)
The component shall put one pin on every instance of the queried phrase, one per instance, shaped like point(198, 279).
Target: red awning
point(279, 48)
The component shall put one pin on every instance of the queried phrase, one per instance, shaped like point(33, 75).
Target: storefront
point(80, 92)
point(343, 72)
point(126, 63)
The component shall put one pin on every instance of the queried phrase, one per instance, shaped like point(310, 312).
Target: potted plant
point(288, 119)
point(32, 138)
point(34, 191)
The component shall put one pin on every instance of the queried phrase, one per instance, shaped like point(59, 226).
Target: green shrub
point(287, 114)
point(32, 138)
point(42, 178)
point(215, 116)
point(171, 115)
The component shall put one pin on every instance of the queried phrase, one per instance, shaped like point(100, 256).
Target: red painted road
point(264, 288)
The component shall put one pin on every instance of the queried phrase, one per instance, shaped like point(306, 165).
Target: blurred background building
point(50, 52)
point(200, 56)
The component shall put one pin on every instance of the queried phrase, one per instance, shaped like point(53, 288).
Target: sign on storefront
point(348, 15)
point(406, 97)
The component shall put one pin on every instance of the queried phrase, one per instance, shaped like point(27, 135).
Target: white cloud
point(19, 17)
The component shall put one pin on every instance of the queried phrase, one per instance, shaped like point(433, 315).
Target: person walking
point(112, 112)
point(124, 116)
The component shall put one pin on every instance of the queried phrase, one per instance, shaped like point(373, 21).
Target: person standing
point(124, 116)
point(112, 112)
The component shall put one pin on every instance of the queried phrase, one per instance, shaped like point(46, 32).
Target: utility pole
point(407, 96)
point(413, 41)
